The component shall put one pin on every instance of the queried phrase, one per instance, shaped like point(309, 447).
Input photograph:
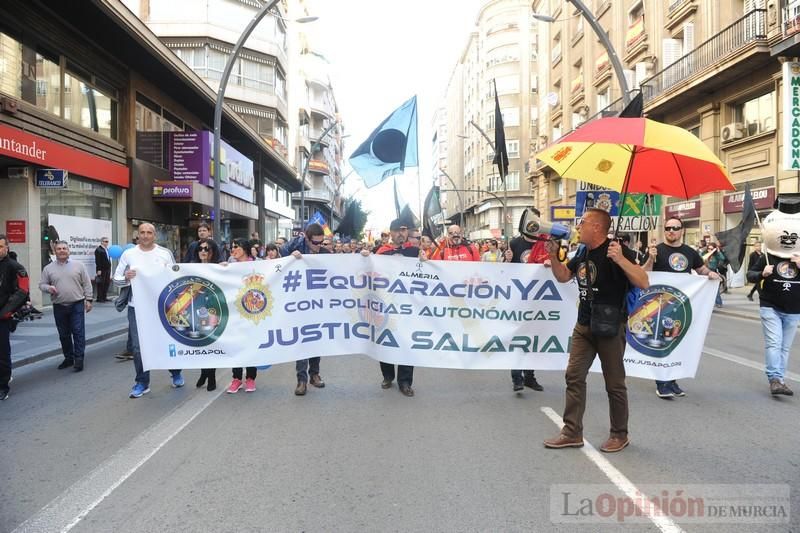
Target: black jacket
point(101, 259)
point(12, 294)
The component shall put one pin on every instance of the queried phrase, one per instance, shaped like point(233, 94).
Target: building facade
point(711, 67)
point(502, 52)
point(203, 36)
point(85, 134)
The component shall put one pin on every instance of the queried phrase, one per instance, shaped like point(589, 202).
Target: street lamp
point(458, 195)
point(604, 40)
point(223, 84)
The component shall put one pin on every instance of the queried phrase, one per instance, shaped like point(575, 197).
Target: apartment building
point(711, 67)
point(502, 50)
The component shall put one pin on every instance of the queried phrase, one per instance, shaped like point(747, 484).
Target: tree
point(353, 221)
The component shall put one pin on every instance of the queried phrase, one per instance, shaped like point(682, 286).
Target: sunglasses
point(673, 228)
point(204, 248)
point(454, 234)
point(316, 243)
point(235, 246)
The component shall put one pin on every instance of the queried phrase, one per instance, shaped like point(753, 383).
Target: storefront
point(180, 197)
point(52, 191)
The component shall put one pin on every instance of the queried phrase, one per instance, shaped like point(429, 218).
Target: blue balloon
point(115, 251)
point(128, 246)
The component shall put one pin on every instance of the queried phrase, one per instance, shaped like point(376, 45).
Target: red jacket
point(462, 252)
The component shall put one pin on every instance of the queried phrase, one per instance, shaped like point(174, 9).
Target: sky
point(383, 52)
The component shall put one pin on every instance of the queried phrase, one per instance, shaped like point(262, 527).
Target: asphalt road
point(465, 454)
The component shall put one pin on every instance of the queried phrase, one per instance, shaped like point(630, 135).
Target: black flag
point(733, 241)
point(500, 152)
point(432, 208)
point(635, 108)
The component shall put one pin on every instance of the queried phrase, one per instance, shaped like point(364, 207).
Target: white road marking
point(663, 523)
point(72, 506)
point(746, 362)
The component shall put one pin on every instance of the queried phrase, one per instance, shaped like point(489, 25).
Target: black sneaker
point(66, 363)
point(664, 390)
point(4, 394)
point(518, 386)
point(531, 383)
point(676, 389)
point(78, 365)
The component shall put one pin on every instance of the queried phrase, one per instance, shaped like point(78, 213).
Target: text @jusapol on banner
point(403, 311)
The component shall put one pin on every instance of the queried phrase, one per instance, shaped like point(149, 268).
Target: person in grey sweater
point(70, 289)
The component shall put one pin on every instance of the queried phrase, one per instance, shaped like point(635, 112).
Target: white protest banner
point(83, 235)
point(398, 310)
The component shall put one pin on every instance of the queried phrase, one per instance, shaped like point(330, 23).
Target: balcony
point(602, 69)
point(711, 64)
point(678, 11)
point(320, 167)
point(789, 45)
point(635, 39)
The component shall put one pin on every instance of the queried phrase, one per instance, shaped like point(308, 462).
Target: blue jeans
point(141, 376)
point(71, 325)
point(304, 367)
point(779, 330)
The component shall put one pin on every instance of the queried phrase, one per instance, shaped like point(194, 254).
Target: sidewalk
point(37, 340)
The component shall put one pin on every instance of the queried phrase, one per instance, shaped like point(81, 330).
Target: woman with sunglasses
point(240, 252)
point(206, 251)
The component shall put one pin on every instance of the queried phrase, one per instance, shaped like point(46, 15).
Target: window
point(756, 115)
point(10, 66)
point(556, 132)
point(505, 85)
point(534, 118)
point(503, 54)
point(512, 181)
point(280, 86)
point(490, 121)
point(48, 84)
point(89, 107)
point(510, 116)
point(602, 99)
point(512, 147)
point(557, 186)
point(152, 121)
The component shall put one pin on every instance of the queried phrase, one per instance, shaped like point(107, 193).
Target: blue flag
point(390, 148)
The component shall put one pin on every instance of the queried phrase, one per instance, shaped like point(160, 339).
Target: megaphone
point(532, 227)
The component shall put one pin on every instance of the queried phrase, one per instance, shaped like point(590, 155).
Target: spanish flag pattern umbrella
point(638, 155)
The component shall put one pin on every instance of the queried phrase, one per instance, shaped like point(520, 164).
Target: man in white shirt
point(145, 253)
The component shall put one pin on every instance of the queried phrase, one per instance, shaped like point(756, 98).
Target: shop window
point(756, 115)
point(152, 122)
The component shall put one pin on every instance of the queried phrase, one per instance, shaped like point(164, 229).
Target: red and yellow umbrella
point(640, 156)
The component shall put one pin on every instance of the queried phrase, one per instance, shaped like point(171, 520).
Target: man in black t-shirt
point(398, 245)
point(605, 270)
point(673, 255)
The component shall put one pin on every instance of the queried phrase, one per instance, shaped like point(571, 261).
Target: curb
point(56, 351)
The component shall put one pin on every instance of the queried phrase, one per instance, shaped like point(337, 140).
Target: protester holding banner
point(398, 245)
point(206, 252)
point(204, 231)
point(527, 248)
point(605, 271)
point(309, 242)
point(241, 251)
point(456, 248)
point(673, 255)
point(145, 254)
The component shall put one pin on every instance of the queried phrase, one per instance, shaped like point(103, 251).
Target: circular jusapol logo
point(193, 311)
point(659, 320)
